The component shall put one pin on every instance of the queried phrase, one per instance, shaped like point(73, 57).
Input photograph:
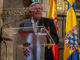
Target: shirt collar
point(33, 21)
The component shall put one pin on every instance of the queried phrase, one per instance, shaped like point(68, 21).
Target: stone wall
point(45, 5)
point(1, 22)
point(13, 13)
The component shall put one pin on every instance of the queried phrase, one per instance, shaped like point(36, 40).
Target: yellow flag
point(71, 37)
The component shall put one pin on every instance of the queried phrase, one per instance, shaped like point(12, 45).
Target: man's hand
point(43, 30)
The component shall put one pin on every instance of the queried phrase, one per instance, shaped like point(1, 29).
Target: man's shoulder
point(47, 19)
point(25, 21)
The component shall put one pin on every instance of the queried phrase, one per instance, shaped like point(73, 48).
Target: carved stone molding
point(15, 11)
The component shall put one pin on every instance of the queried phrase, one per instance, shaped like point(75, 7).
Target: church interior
point(12, 12)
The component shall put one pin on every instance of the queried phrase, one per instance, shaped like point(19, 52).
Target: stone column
point(1, 11)
point(7, 44)
point(1, 23)
point(6, 50)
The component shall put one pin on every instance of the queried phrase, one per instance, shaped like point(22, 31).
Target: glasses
point(37, 8)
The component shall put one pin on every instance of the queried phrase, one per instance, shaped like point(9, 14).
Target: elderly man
point(37, 20)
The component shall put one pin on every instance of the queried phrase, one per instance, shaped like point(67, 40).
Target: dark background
point(77, 4)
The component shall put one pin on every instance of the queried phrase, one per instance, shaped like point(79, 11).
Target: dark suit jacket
point(43, 22)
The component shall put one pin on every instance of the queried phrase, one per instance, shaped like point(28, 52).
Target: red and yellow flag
point(53, 14)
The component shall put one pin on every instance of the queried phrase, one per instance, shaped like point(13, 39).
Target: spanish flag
point(71, 37)
point(53, 14)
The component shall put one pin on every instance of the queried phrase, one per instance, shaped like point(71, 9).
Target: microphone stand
point(49, 36)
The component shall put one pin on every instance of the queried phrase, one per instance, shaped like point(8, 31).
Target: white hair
point(30, 7)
